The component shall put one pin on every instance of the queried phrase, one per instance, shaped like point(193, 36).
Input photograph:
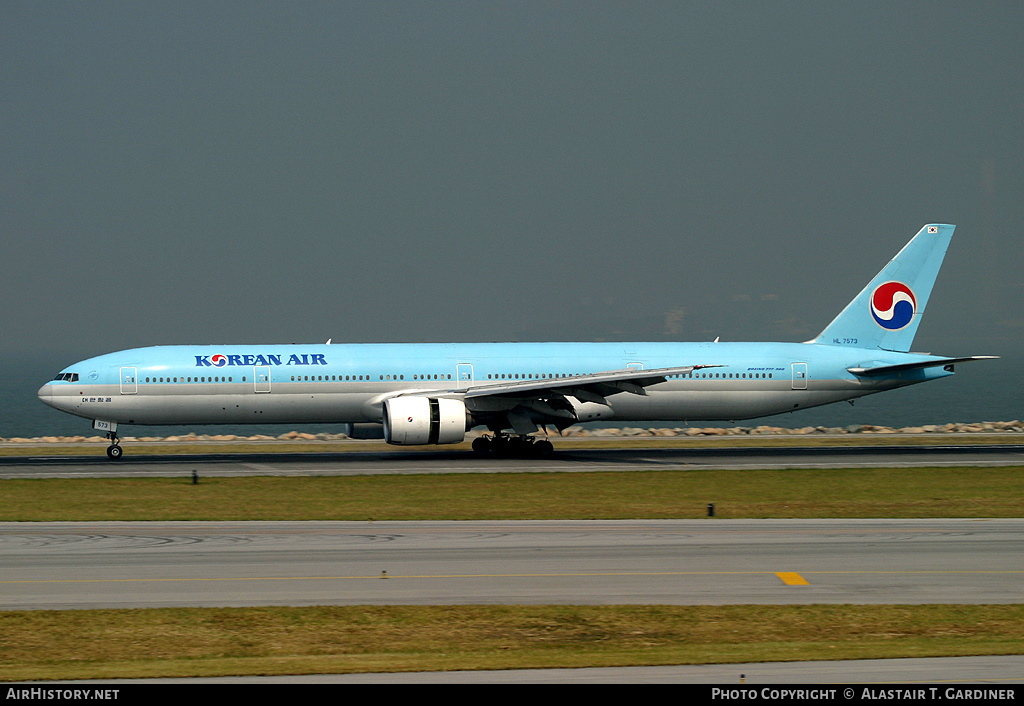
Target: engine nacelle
point(590, 411)
point(415, 421)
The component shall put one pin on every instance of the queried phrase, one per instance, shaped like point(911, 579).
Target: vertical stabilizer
point(888, 311)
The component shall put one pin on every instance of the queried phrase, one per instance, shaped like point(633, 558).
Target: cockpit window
point(67, 377)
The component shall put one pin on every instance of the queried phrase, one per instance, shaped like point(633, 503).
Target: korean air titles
point(218, 360)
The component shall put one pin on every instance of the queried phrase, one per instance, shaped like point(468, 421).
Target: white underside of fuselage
point(238, 403)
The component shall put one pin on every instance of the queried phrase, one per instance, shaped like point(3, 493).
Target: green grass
point(108, 644)
point(807, 493)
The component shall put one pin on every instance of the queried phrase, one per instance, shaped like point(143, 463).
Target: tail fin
point(888, 311)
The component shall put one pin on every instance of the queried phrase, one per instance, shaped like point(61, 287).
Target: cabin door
point(129, 381)
point(261, 378)
point(464, 374)
point(799, 376)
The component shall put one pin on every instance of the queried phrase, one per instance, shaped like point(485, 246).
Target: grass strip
point(108, 644)
point(171, 448)
point(665, 494)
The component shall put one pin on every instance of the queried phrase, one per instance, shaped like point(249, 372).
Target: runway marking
point(789, 578)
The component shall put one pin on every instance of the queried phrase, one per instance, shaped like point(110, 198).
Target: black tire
point(482, 446)
point(543, 448)
point(115, 452)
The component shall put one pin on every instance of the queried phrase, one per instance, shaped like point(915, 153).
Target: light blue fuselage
point(346, 383)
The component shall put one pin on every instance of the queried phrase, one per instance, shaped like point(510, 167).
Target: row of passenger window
point(531, 376)
point(688, 376)
point(490, 376)
point(294, 378)
point(356, 378)
point(736, 376)
point(518, 376)
point(193, 379)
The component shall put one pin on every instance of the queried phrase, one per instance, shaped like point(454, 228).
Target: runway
point(709, 562)
point(628, 458)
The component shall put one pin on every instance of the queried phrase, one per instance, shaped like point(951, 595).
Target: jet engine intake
point(417, 421)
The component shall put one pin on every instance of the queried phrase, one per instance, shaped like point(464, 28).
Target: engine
point(415, 421)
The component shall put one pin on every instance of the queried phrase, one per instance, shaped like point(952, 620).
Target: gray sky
point(233, 172)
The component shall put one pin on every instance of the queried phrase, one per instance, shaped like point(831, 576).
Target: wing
point(523, 404)
point(563, 401)
point(594, 387)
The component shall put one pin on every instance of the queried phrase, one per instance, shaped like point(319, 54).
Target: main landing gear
point(504, 446)
point(114, 451)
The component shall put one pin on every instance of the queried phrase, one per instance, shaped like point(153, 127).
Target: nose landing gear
point(114, 451)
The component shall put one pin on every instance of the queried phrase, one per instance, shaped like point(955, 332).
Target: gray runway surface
point(105, 564)
point(564, 461)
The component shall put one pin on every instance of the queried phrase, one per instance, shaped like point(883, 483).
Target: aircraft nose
point(46, 394)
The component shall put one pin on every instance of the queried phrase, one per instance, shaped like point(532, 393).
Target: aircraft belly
point(724, 404)
point(696, 405)
point(190, 406)
point(274, 408)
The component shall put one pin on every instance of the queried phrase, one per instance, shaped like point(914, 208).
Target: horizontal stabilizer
point(903, 367)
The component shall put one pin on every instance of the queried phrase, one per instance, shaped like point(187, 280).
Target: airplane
point(433, 393)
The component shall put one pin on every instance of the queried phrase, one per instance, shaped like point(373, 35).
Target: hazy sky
point(233, 172)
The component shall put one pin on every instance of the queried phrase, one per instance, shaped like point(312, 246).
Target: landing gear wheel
point(502, 446)
point(114, 451)
point(482, 446)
